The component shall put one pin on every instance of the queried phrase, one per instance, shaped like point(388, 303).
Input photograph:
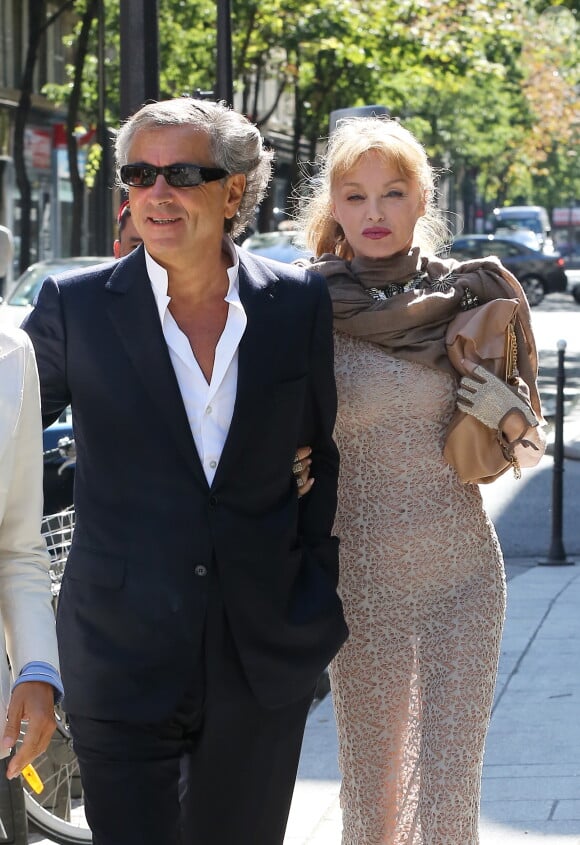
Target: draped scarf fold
point(412, 324)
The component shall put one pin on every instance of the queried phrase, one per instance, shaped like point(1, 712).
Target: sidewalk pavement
point(531, 776)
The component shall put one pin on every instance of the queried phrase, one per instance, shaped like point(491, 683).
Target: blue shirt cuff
point(37, 670)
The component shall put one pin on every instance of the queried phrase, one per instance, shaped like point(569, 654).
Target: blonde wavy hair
point(352, 138)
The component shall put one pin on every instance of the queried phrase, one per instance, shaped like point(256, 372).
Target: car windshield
point(30, 282)
point(282, 246)
point(524, 236)
point(531, 223)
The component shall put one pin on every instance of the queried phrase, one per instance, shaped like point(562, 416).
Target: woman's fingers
point(301, 470)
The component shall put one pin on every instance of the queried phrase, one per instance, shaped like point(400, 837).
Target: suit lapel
point(257, 291)
point(133, 312)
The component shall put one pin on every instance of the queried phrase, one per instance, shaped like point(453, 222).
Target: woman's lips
point(376, 233)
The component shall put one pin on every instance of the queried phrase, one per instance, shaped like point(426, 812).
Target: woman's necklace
point(420, 280)
point(394, 289)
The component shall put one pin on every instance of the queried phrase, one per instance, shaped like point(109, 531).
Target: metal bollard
point(557, 553)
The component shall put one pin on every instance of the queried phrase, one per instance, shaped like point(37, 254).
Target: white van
point(515, 219)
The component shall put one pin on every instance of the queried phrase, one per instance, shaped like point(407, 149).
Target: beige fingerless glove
point(490, 400)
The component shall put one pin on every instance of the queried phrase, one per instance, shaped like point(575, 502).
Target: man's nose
point(160, 187)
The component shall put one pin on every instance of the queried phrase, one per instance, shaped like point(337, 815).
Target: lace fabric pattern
point(423, 587)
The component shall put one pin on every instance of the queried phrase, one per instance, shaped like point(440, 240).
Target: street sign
point(566, 216)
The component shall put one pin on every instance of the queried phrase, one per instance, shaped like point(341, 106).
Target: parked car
point(21, 298)
point(281, 245)
point(523, 236)
point(58, 476)
point(571, 256)
point(534, 218)
point(538, 273)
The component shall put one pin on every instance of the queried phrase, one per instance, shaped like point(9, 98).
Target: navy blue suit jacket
point(131, 609)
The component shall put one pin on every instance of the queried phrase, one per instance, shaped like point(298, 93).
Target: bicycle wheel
point(58, 810)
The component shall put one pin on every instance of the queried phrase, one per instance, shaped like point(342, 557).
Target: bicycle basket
point(57, 530)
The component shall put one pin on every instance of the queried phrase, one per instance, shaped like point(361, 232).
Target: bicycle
point(53, 792)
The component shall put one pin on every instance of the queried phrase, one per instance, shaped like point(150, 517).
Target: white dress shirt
point(209, 407)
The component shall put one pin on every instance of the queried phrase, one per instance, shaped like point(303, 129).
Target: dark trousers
point(220, 771)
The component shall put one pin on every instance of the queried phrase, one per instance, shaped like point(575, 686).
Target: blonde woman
point(421, 571)
point(26, 615)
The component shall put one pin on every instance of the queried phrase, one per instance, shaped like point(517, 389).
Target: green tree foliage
point(490, 86)
point(551, 86)
point(187, 46)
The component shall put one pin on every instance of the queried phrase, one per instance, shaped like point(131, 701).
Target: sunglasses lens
point(138, 175)
point(176, 175)
point(183, 175)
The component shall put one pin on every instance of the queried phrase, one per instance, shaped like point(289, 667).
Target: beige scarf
point(412, 324)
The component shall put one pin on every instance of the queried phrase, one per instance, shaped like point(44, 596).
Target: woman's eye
point(397, 194)
point(354, 197)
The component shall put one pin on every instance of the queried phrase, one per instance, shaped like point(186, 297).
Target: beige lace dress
point(423, 586)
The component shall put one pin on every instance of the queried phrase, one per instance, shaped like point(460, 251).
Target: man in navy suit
point(199, 602)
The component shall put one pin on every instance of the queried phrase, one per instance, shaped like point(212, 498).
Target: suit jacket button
point(200, 570)
point(213, 500)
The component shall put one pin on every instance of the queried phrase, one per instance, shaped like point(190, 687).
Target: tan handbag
point(485, 335)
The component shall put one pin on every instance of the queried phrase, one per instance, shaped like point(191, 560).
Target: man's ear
point(236, 185)
point(117, 248)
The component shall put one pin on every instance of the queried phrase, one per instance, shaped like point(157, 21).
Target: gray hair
point(235, 145)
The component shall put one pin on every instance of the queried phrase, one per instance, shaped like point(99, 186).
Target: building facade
point(44, 132)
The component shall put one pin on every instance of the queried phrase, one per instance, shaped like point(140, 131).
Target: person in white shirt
point(199, 603)
point(6, 256)
point(29, 650)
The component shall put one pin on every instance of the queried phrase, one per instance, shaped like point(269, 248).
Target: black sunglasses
point(176, 175)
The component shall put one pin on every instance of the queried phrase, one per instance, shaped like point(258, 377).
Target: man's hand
point(32, 702)
point(301, 470)
point(489, 399)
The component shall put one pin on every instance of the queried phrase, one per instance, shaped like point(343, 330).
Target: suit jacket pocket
point(286, 399)
point(289, 388)
point(96, 568)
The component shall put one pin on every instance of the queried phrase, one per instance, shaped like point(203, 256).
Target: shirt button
point(213, 464)
point(209, 409)
point(200, 570)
